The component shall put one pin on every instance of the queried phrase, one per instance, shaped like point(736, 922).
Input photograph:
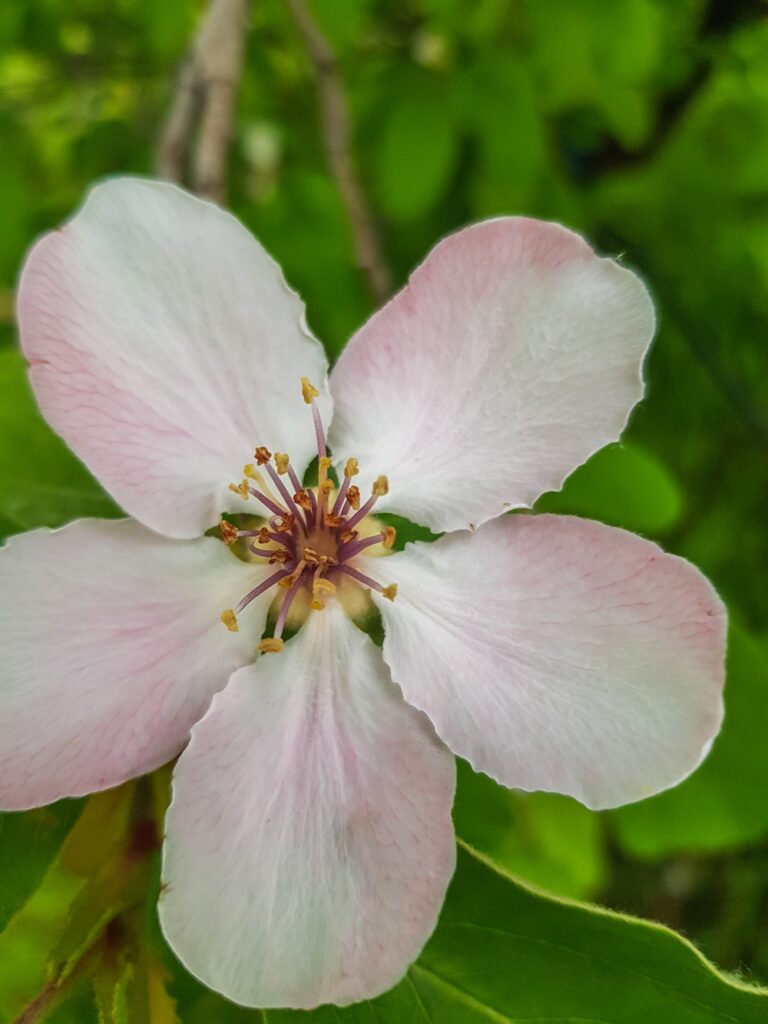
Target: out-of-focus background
point(641, 123)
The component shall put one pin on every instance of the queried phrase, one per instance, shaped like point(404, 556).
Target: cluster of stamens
point(313, 544)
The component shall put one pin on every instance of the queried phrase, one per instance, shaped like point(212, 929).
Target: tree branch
point(204, 103)
point(334, 110)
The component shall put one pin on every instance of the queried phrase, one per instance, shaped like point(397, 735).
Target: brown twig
point(338, 147)
point(204, 102)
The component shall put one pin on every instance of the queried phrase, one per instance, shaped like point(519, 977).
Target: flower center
point(314, 537)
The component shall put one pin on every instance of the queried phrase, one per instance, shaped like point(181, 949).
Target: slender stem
point(270, 581)
point(205, 99)
point(362, 512)
point(282, 617)
point(360, 577)
point(267, 502)
point(354, 547)
point(337, 138)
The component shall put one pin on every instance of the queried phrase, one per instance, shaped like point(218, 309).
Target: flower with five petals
point(309, 842)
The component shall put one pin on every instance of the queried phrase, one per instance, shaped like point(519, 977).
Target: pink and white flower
point(309, 842)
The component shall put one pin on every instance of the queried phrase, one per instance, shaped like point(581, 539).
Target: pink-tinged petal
point(112, 649)
point(511, 356)
point(559, 654)
point(309, 842)
point(164, 346)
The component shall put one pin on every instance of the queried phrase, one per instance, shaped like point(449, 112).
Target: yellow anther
point(390, 592)
point(279, 557)
point(228, 532)
point(321, 589)
point(310, 556)
point(308, 390)
point(351, 468)
point(282, 461)
point(241, 489)
point(250, 471)
point(229, 619)
point(285, 582)
point(272, 645)
point(380, 486)
point(353, 497)
point(262, 455)
point(324, 463)
point(388, 535)
point(326, 487)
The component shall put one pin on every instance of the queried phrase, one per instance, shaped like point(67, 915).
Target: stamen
point(351, 468)
point(287, 602)
point(276, 556)
point(311, 557)
point(267, 502)
point(242, 489)
point(308, 390)
point(301, 497)
point(389, 536)
point(270, 581)
point(389, 592)
point(352, 549)
point(262, 455)
point(341, 497)
point(380, 486)
point(353, 497)
point(321, 588)
point(229, 532)
point(271, 645)
point(319, 432)
point(282, 461)
point(229, 619)
point(261, 483)
point(284, 492)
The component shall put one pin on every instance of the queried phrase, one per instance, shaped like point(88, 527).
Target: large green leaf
point(504, 953)
point(41, 482)
point(723, 803)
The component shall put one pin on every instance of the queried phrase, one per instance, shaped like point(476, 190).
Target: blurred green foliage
point(642, 123)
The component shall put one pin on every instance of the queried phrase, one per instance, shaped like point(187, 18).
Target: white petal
point(164, 346)
point(511, 356)
point(559, 654)
point(309, 842)
point(112, 649)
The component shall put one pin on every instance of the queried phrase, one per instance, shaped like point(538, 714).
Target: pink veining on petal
point(513, 354)
point(560, 654)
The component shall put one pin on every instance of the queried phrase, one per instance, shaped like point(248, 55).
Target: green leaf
point(417, 154)
point(42, 483)
point(29, 841)
point(548, 839)
point(503, 954)
point(621, 485)
point(723, 804)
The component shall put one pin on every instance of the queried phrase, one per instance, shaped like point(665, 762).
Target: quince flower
point(309, 842)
